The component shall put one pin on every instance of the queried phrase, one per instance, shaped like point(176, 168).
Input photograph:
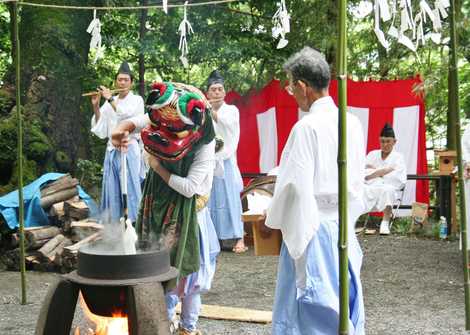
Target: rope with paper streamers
point(94, 28)
point(406, 28)
point(163, 6)
point(281, 24)
point(185, 29)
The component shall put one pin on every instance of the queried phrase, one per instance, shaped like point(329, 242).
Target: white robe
point(307, 184)
point(200, 174)
point(466, 159)
point(111, 203)
point(383, 191)
point(132, 105)
point(198, 181)
point(305, 208)
point(228, 127)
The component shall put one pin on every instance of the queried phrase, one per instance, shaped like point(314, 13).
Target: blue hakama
point(111, 197)
point(314, 309)
point(189, 289)
point(225, 204)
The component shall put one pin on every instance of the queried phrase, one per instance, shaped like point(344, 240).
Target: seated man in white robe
point(385, 177)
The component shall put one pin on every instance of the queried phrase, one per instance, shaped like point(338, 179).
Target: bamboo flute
point(89, 94)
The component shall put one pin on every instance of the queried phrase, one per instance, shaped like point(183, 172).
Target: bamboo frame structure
point(454, 111)
point(20, 156)
point(342, 171)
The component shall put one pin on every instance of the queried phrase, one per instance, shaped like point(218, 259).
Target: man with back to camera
point(305, 208)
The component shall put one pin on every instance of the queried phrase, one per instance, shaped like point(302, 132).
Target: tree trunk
point(54, 54)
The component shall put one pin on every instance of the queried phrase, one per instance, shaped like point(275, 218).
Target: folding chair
point(396, 205)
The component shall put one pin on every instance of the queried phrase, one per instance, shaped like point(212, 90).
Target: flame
point(115, 325)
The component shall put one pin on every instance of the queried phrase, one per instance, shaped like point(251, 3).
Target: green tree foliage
point(54, 53)
point(37, 149)
point(5, 41)
point(369, 60)
point(236, 38)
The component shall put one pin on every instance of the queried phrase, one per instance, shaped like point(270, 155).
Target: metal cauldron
point(103, 278)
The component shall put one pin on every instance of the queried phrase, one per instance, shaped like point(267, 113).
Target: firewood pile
point(54, 247)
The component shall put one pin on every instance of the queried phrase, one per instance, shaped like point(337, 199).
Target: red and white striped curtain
point(267, 116)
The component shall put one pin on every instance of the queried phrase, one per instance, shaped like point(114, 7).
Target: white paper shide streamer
point(362, 9)
point(281, 24)
point(94, 28)
point(408, 28)
point(184, 29)
point(165, 6)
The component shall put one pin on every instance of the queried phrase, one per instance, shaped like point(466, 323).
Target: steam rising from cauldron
point(111, 242)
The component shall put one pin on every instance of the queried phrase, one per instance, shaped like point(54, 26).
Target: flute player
point(114, 110)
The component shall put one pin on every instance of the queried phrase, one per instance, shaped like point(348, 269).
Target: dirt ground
point(411, 286)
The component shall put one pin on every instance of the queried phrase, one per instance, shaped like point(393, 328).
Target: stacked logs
point(54, 247)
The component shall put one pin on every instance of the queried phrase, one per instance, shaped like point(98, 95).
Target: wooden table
point(266, 241)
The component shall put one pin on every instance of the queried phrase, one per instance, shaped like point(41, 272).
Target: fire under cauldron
point(128, 284)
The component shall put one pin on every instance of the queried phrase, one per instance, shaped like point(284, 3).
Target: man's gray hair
point(309, 66)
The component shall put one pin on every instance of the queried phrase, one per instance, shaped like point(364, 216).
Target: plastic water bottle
point(442, 228)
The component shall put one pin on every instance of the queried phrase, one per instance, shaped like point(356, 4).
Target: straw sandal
point(183, 331)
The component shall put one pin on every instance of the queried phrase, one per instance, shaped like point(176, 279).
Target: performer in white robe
point(305, 208)
point(189, 291)
point(105, 119)
point(197, 183)
point(385, 177)
point(466, 175)
point(225, 203)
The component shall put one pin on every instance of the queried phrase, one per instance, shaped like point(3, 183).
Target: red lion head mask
point(177, 113)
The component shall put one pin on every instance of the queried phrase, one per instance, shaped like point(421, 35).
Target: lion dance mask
point(178, 113)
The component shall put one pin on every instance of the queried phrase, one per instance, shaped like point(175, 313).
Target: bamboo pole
point(452, 133)
point(142, 33)
point(342, 171)
point(20, 156)
point(454, 102)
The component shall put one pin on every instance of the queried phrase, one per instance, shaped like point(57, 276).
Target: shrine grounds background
point(411, 286)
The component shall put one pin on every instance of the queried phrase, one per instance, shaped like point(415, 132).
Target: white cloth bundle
point(258, 203)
